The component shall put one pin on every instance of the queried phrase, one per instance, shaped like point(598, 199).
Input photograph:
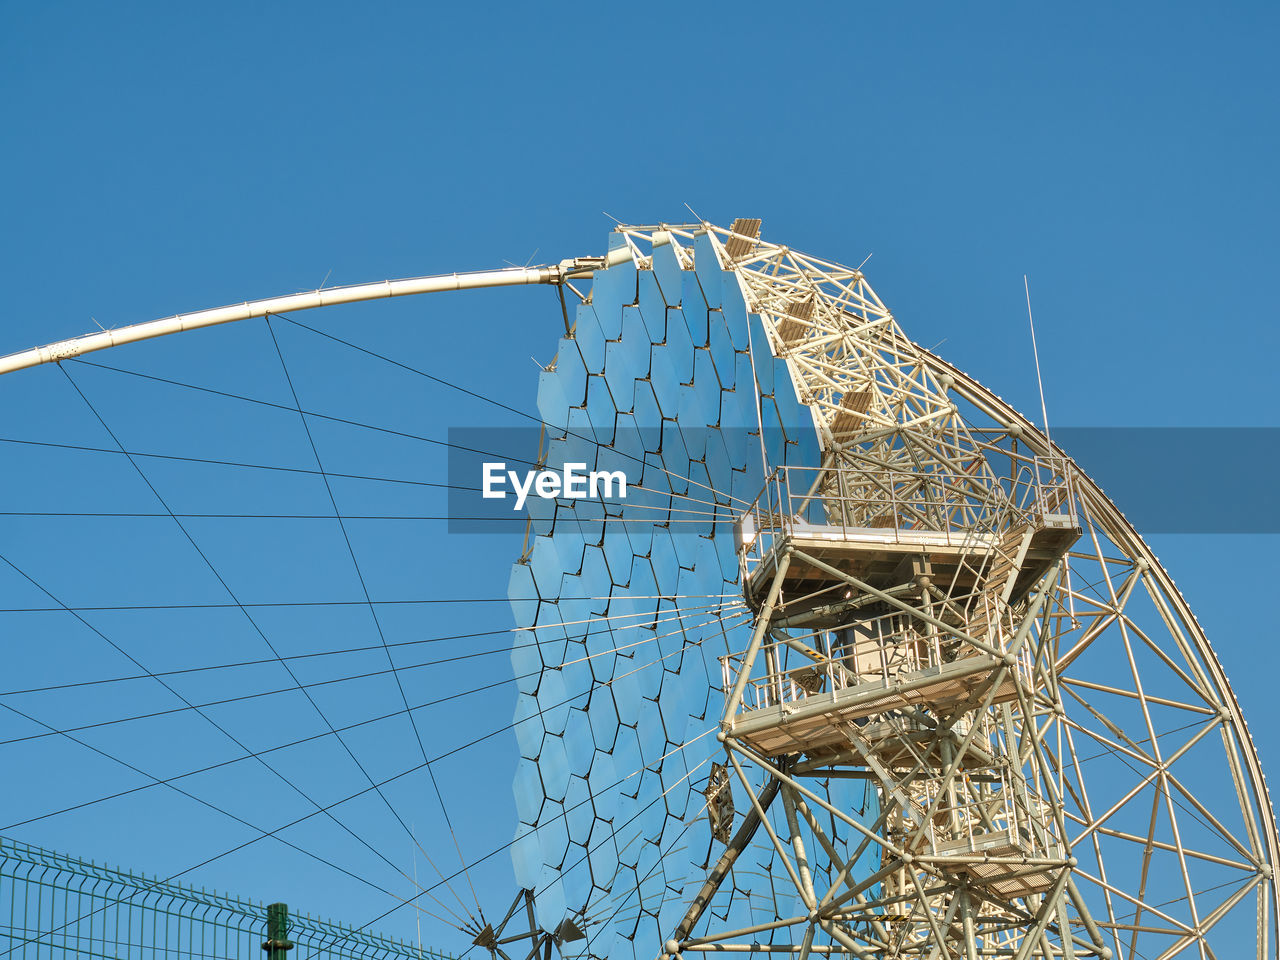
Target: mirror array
point(631, 601)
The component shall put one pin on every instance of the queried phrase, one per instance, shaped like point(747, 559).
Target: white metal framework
point(949, 608)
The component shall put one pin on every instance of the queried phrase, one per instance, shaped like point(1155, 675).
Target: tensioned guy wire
point(257, 629)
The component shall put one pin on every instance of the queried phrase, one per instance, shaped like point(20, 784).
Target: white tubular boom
point(582, 267)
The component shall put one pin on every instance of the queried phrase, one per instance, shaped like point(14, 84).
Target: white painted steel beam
point(292, 303)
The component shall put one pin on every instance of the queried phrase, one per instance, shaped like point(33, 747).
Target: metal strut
point(750, 824)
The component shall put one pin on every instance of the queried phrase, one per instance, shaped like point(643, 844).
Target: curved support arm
point(100, 340)
point(572, 269)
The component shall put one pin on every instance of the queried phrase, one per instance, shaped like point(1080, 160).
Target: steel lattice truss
point(958, 706)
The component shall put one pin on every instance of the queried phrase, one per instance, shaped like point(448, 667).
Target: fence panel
point(54, 906)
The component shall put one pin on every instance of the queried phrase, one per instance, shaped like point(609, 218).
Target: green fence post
point(277, 942)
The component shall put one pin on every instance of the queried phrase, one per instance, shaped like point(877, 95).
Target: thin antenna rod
point(1044, 413)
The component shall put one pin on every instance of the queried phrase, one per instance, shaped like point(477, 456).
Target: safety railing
point(991, 815)
point(889, 649)
point(957, 508)
point(1043, 490)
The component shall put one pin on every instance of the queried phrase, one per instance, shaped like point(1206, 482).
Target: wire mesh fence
point(54, 906)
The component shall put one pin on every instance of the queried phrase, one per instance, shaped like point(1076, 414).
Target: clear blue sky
point(163, 158)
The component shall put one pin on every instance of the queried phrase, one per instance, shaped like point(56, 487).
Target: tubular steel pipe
point(571, 269)
point(290, 303)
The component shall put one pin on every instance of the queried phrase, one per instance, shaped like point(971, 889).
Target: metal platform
point(900, 743)
point(884, 559)
point(800, 722)
point(1004, 870)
